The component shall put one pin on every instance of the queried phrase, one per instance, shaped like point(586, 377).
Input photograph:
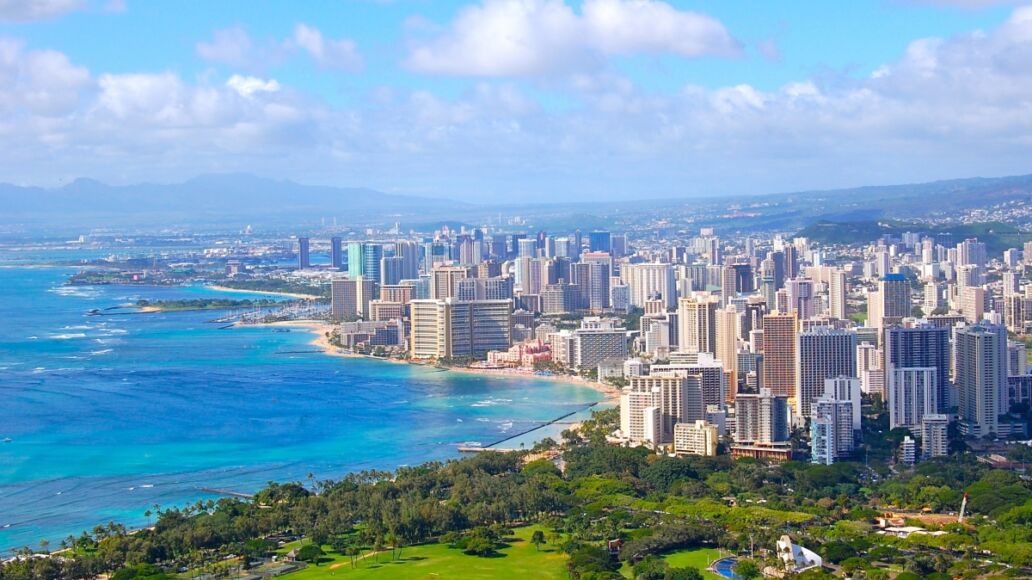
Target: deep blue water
point(110, 415)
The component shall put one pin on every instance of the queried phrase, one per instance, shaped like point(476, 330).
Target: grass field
point(699, 559)
point(520, 559)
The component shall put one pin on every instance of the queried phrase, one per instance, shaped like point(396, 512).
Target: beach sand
point(270, 293)
point(320, 329)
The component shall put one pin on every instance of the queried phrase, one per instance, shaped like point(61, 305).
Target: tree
point(747, 569)
point(310, 553)
point(537, 538)
point(479, 546)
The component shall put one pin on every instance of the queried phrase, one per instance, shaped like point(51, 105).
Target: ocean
point(104, 417)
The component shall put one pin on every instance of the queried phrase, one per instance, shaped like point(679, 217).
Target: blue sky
point(517, 99)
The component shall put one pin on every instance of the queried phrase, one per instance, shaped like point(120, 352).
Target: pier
point(494, 446)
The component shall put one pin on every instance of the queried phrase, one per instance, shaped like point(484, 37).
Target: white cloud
point(232, 46)
point(946, 107)
point(248, 86)
point(337, 54)
point(28, 10)
point(538, 37)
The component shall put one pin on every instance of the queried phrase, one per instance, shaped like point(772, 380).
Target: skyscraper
point(912, 395)
point(697, 325)
point(364, 260)
point(599, 241)
point(303, 257)
point(838, 290)
point(824, 353)
point(981, 378)
point(923, 346)
point(336, 253)
point(779, 353)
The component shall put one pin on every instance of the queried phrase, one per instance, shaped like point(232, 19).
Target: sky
point(517, 100)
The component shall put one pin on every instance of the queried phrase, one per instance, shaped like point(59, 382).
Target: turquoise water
point(109, 415)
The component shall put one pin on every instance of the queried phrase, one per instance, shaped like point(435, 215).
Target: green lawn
point(518, 560)
point(698, 558)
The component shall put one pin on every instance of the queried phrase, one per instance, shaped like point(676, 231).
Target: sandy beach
point(266, 292)
point(320, 329)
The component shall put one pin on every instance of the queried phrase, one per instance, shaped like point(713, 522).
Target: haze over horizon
point(503, 101)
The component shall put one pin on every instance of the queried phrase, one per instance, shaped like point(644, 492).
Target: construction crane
point(963, 508)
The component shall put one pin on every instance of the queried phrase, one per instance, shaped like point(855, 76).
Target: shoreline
point(295, 295)
point(611, 394)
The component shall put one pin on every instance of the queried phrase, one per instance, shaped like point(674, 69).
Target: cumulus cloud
point(234, 46)
point(337, 54)
point(538, 37)
point(248, 86)
point(946, 107)
point(28, 10)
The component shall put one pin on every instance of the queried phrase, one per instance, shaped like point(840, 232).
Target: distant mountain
point(207, 199)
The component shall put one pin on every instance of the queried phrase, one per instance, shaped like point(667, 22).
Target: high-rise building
point(350, 297)
point(912, 395)
point(728, 323)
point(846, 389)
point(649, 282)
point(303, 256)
point(444, 281)
point(364, 260)
point(600, 241)
point(981, 378)
point(894, 291)
point(838, 291)
point(761, 418)
point(935, 435)
point(697, 438)
point(801, 298)
point(455, 329)
point(697, 329)
point(922, 346)
point(678, 395)
point(824, 353)
point(336, 253)
point(714, 379)
point(779, 353)
point(392, 270)
point(597, 340)
point(831, 430)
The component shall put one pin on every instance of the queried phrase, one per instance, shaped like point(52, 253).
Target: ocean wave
point(102, 351)
point(67, 336)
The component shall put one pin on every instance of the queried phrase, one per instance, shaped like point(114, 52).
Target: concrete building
point(922, 346)
point(824, 353)
point(457, 329)
point(350, 297)
point(698, 438)
point(650, 281)
point(779, 353)
point(912, 394)
point(831, 430)
point(697, 325)
point(677, 395)
point(304, 260)
point(981, 378)
point(935, 436)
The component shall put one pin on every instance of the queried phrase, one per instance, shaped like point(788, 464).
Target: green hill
point(998, 236)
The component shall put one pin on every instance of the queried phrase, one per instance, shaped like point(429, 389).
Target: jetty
point(494, 447)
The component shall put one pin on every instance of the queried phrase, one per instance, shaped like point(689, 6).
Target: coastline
point(266, 292)
point(320, 328)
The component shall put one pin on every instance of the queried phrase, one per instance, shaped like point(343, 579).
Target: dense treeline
point(653, 505)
